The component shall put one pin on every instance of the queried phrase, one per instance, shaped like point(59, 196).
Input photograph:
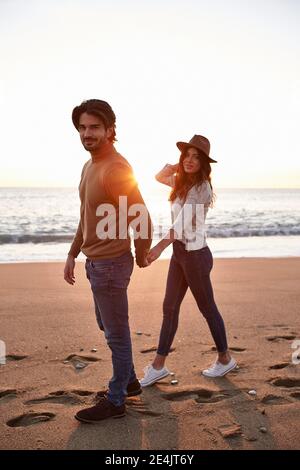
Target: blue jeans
point(190, 269)
point(109, 279)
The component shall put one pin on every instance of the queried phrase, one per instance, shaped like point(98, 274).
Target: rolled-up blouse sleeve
point(166, 176)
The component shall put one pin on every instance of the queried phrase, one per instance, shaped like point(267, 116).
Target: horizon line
point(216, 187)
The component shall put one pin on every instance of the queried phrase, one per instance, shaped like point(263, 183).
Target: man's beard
point(93, 144)
point(89, 146)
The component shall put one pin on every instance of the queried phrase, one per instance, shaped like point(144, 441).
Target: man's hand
point(142, 261)
point(69, 270)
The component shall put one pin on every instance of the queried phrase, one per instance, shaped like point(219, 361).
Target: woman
point(192, 260)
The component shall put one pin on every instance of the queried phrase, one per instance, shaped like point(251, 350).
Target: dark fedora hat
point(200, 143)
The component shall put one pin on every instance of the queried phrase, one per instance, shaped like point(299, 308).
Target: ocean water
point(38, 224)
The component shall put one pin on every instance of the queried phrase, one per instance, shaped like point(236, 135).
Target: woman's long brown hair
point(184, 181)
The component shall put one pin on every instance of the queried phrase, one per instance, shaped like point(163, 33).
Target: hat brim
point(183, 145)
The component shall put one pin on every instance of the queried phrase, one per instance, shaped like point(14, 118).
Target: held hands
point(141, 261)
point(154, 253)
point(150, 256)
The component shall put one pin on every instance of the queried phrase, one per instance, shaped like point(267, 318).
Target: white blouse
point(188, 217)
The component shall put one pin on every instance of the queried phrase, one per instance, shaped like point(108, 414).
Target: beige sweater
point(103, 180)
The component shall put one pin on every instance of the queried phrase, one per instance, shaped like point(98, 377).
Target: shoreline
point(3, 263)
point(221, 248)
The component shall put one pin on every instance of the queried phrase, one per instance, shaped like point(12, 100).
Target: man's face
point(93, 134)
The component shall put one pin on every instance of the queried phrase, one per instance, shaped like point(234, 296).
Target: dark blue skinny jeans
point(190, 269)
point(109, 279)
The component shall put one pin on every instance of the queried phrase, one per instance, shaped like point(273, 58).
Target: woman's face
point(191, 162)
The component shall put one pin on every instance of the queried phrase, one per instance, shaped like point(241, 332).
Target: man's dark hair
point(98, 108)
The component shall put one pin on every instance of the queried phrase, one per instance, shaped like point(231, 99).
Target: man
point(109, 200)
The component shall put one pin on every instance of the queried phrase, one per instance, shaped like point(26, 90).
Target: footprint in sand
point(153, 348)
point(279, 337)
point(7, 395)
point(281, 365)
point(83, 393)
point(61, 397)
point(233, 348)
point(200, 395)
point(80, 362)
point(288, 382)
point(28, 419)
point(134, 405)
point(273, 400)
point(15, 357)
point(276, 325)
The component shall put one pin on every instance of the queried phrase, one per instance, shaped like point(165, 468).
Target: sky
point(170, 69)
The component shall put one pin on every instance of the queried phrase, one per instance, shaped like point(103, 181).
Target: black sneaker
point(133, 389)
point(103, 410)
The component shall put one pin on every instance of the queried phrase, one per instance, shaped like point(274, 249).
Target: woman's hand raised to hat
point(172, 169)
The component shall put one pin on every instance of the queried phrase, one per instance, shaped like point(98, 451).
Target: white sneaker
point(153, 375)
point(218, 369)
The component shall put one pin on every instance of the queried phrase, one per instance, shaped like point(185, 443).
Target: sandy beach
point(49, 327)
